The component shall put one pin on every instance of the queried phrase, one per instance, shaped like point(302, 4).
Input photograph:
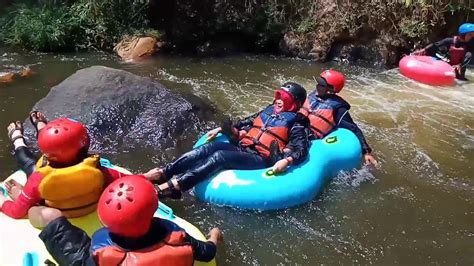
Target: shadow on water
point(416, 208)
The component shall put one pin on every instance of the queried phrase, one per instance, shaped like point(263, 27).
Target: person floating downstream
point(327, 111)
point(456, 50)
point(275, 136)
point(65, 177)
point(131, 236)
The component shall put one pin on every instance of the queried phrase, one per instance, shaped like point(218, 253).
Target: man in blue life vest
point(131, 236)
point(327, 111)
point(457, 50)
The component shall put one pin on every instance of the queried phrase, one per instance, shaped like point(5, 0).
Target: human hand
point(457, 67)
point(14, 189)
point(154, 174)
point(280, 166)
point(215, 235)
point(242, 134)
point(370, 160)
point(211, 135)
point(419, 52)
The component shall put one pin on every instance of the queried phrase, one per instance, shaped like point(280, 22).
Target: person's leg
point(40, 216)
point(218, 161)
point(461, 75)
point(195, 157)
point(38, 120)
point(24, 157)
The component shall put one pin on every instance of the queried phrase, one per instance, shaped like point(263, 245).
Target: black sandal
point(170, 192)
point(38, 119)
point(18, 126)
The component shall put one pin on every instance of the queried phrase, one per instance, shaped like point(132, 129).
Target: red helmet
point(333, 79)
point(127, 205)
point(62, 139)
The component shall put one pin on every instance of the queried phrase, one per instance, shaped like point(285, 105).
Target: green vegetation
point(313, 25)
point(69, 25)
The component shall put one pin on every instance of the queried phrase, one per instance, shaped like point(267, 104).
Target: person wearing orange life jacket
point(66, 176)
point(275, 136)
point(456, 50)
point(130, 236)
point(327, 111)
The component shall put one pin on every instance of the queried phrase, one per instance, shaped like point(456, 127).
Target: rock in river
point(127, 113)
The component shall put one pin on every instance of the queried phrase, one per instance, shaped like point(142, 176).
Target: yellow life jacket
point(74, 190)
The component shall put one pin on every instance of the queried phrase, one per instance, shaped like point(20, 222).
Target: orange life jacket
point(320, 113)
point(172, 251)
point(269, 127)
point(456, 54)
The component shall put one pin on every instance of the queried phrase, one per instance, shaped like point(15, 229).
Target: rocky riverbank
point(374, 32)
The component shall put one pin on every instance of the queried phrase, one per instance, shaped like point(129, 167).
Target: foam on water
point(414, 209)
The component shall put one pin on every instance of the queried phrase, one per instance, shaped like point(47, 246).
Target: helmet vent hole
point(119, 206)
point(120, 193)
point(56, 131)
point(121, 185)
point(111, 190)
point(130, 199)
point(130, 189)
point(108, 201)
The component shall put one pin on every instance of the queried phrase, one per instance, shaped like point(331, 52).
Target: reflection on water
point(416, 209)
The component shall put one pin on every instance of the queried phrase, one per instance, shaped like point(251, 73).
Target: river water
point(416, 208)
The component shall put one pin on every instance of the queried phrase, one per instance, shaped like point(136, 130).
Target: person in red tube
point(457, 50)
point(66, 177)
point(327, 111)
point(130, 236)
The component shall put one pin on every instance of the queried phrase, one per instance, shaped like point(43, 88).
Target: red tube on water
point(427, 70)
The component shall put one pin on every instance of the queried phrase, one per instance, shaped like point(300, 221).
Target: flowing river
point(416, 208)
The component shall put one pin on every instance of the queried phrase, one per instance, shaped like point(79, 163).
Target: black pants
point(208, 159)
point(26, 159)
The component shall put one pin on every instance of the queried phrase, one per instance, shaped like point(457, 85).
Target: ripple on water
point(415, 209)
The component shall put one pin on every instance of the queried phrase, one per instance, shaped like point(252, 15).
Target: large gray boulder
point(125, 113)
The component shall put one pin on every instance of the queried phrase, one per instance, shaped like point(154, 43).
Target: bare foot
point(38, 119)
point(14, 189)
point(15, 133)
point(155, 174)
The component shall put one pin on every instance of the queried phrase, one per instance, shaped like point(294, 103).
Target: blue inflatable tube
point(256, 189)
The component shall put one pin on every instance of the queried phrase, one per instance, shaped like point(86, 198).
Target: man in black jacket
point(457, 50)
point(131, 236)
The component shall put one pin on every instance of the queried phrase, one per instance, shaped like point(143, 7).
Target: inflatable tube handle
point(30, 259)
point(105, 163)
point(4, 191)
point(331, 140)
point(269, 172)
point(166, 210)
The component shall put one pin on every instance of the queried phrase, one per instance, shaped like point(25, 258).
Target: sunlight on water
point(416, 208)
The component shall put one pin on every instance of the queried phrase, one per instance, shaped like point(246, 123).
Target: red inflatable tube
point(427, 70)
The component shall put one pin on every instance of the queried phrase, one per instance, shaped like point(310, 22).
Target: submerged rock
point(127, 113)
point(11, 73)
point(6, 77)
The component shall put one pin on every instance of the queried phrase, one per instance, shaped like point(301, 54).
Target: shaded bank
point(376, 32)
